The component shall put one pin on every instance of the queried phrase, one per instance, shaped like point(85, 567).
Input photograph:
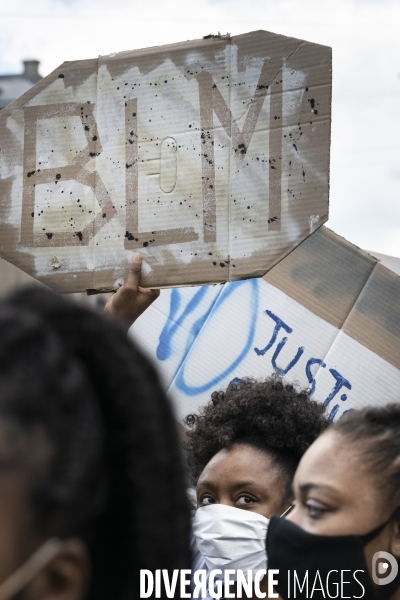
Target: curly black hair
point(115, 477)
point(269, 415)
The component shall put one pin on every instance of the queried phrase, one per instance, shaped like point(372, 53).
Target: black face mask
point(312, 557)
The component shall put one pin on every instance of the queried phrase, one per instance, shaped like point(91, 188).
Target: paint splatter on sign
point(203, 156)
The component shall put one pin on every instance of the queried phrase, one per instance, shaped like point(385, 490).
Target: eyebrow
point(237, 485)
point(206, 484)
point(306, 487)
point(245, 484)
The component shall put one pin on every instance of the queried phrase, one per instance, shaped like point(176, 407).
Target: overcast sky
point(364, 35)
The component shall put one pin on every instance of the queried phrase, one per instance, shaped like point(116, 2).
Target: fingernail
point(136, 258)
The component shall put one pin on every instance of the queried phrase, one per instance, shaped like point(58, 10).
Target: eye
point(315, 509)
point(245, 499)
point(207, 499)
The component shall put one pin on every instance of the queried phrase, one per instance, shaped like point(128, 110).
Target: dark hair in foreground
point(377, 431)
point(269, 415)
point(115, 477)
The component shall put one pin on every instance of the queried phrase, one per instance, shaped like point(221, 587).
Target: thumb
point(133, 278)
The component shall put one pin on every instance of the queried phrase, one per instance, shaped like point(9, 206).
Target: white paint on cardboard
point(200, 163)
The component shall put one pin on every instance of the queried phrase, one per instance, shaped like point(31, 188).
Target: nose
point(226, 501)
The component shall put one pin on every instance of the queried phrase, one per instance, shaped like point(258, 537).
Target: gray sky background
point(364, 35)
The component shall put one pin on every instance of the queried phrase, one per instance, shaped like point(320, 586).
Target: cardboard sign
point(327, 316)
point(209, 157)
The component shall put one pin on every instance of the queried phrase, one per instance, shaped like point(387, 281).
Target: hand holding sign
point(131, 300)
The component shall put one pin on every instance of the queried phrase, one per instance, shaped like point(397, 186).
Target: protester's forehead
point(238, 461)
point(335, 463)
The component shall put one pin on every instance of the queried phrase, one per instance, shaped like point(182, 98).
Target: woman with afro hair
point(243, 449)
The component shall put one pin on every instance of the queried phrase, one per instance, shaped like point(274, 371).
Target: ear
point(395, 540)
point(65, 577)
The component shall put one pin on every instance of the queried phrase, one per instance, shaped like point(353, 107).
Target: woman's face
point(245, 478)
point(336, 494)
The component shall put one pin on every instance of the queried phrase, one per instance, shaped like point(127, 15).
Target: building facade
point(13, 86)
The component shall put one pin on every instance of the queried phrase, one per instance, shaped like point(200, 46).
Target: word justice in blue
point(340, 382)
point(179, 313)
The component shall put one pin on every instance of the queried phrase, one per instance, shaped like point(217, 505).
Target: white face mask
point(26, 572)
point(231, 538)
